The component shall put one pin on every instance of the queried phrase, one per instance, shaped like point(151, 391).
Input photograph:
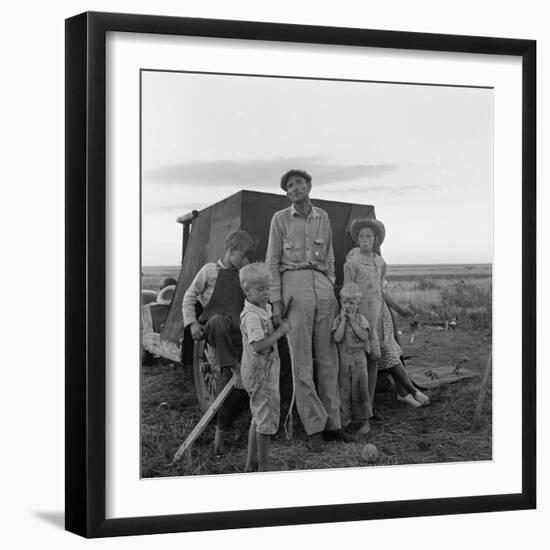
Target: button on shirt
point(296, 242)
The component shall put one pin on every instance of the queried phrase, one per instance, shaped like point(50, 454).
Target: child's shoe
point(409, 400)
point(421, 398)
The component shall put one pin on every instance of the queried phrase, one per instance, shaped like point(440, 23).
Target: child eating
point(350, 331)
point(260, 363)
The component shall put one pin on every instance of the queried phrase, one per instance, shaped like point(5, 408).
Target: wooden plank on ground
point(430, 375)
point(203, 422)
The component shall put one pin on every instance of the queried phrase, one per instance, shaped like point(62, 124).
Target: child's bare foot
point(421, 398)
point(364, 429)
point(409, 400)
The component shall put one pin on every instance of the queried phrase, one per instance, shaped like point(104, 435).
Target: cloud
point(392, 189)
point(264, 173)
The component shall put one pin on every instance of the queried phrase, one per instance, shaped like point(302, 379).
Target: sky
point(422, 155)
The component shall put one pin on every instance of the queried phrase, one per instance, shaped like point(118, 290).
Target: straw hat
point(377, 227)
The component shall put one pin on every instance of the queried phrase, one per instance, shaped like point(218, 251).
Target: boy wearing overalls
point(216, 286)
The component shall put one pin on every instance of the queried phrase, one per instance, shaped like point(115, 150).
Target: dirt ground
point(440, 432)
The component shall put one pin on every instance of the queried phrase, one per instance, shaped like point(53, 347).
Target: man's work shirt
point(296, 242)
point(200, 290)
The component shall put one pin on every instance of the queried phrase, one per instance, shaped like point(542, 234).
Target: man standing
point(301, 259)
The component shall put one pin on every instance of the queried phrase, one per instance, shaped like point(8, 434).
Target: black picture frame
point(86, 275)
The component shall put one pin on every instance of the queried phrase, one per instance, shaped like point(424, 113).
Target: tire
point(206, 373)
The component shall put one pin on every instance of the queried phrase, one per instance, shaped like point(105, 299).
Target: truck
point(204, 231)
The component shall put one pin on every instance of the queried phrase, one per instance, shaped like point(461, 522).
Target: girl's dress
point(368, 274)
point(390, 350)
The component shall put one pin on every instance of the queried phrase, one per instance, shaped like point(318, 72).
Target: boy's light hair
point(351, 290)
point(257, 272)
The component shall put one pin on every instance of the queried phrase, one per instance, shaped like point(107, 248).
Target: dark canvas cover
point(251, 211)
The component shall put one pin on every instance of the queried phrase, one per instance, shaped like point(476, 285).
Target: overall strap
point(227, 298)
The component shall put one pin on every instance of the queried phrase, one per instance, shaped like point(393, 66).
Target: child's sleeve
point(363, 322)
point(349, 272)
point(192, 295)
point(252, 328)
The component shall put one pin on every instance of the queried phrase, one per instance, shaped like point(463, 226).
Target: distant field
point(153, 274)
point(439, 271)
point(438, 292)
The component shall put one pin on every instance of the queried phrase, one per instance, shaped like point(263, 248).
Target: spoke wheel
point(206, 373)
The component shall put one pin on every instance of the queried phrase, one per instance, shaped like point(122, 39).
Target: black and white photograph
point(316, 273)
point(273, 274)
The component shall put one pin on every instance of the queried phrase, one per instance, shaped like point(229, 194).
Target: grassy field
point(438, 433)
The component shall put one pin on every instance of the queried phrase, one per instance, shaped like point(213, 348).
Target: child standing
point(260, 363)
point(217, 288)
point(366, 268)
point(350, 331)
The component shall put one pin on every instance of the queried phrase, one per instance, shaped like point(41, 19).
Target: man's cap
point(294, 172)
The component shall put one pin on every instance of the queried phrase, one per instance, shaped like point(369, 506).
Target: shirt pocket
point(291, 251)
point(318, 250)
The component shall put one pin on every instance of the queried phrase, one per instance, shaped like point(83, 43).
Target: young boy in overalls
point(350, 331)
point(260, 363)
point(216, 286)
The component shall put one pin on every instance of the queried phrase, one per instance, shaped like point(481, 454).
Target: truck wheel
point(206, 373)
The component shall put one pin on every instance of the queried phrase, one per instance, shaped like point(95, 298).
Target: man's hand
point(196, 331)
point(284, 327)
point(277, 312)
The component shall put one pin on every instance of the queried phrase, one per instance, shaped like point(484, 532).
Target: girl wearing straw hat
point(366, 268)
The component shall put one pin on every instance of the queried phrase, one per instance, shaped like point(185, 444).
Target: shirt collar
point(221, 265)
point(249, 306)
point(314, 212)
